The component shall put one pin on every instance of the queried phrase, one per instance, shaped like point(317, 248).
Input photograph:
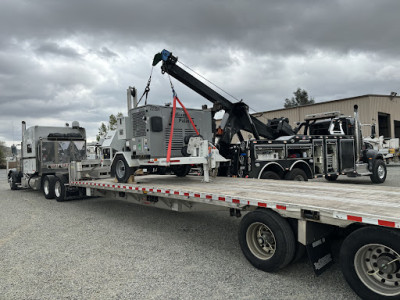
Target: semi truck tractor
point(46, 153)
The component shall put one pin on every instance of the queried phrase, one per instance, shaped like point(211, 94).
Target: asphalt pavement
point(110, 249)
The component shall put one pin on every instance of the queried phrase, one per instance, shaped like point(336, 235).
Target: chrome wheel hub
point(261, 241)
point(378, 267)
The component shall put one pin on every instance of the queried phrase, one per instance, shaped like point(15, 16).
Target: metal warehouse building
point(382, 110)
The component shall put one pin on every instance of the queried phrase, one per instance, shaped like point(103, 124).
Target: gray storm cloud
point(74, 59)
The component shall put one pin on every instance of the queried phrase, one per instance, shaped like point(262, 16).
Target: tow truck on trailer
point(330, 144)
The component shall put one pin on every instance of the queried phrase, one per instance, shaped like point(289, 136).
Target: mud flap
point(319, 253)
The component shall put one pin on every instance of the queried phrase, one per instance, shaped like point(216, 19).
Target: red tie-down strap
point(172, 125)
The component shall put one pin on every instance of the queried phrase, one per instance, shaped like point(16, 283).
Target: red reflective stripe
point(187, 114)
point(197, 195)
point(143, 189)
point(283, 207)
point(221, 198)
point(136, 188)
point(208, 197)
point(176, 193)
point(386, 223)
point(158, 191)
point(235, 200)
point(260, 204)
point(151, 190)
point(186, 194)
point(354, 218)
point(171, 134)
point(167, 191)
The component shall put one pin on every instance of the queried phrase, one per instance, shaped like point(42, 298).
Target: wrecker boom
point(236, 117)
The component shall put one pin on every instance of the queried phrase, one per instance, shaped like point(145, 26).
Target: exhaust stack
point(131, 93)
point(357, 136)
point(22, 144)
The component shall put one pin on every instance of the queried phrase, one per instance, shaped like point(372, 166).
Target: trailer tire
point(379, 171)
point(368, 261)
point(270, 175)
point(121, 169)
point(297, 175)
point(181, 170)
point(332, 177)
point(48, 186)
point(59, 188)
point(266, 240)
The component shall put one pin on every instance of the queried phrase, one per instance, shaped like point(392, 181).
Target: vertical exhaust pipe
point(23, 133)
point(357, 135)
point(22, 145)
point(131, 93)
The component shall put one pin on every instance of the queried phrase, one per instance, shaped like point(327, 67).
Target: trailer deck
point(329, 203)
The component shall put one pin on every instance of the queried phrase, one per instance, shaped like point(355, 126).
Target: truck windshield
point(58, 152)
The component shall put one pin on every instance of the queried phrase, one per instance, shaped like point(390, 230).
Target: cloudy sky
point(73, 60)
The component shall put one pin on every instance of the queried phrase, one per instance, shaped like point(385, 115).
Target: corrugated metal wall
point(368, 106)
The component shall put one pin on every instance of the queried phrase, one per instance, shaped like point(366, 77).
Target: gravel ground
point(109, 249)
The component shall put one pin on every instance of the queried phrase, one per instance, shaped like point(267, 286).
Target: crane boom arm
point(237, 115)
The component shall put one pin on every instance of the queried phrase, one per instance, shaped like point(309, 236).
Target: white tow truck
point(282, 219)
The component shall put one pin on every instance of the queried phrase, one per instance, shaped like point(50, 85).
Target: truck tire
point(370, 262)
point(297, 175)
point(59, 188)
point(378, 171)
point(332, 177)
point(266, 240)
point(121, 169)
point(181, 170)
point(48, 186)
point(270, 175)
point(13, 179)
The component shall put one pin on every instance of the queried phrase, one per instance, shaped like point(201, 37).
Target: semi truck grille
point(139, 125)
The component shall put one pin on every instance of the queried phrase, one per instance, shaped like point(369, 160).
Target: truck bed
point(334, 203)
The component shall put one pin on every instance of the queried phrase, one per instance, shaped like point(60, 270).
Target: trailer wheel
point(121, 169)
point(181, 170)
point(266, 240)
point(332, 177)
point(270, 175)
point(378, 171)
point(48, 186)
point(370, 262)
point(297, 175)
point(59, 188)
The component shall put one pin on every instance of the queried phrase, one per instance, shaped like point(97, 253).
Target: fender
point(300, 161)
point(370, 155)
point(268, 164)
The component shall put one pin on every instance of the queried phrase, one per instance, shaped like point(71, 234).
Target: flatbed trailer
point(285, 218)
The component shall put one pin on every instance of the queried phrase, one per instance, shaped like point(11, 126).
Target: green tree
point(3, 151)
point(112, 125)
point(300, 98)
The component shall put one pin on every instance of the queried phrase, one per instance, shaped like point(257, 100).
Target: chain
point(147, 89)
